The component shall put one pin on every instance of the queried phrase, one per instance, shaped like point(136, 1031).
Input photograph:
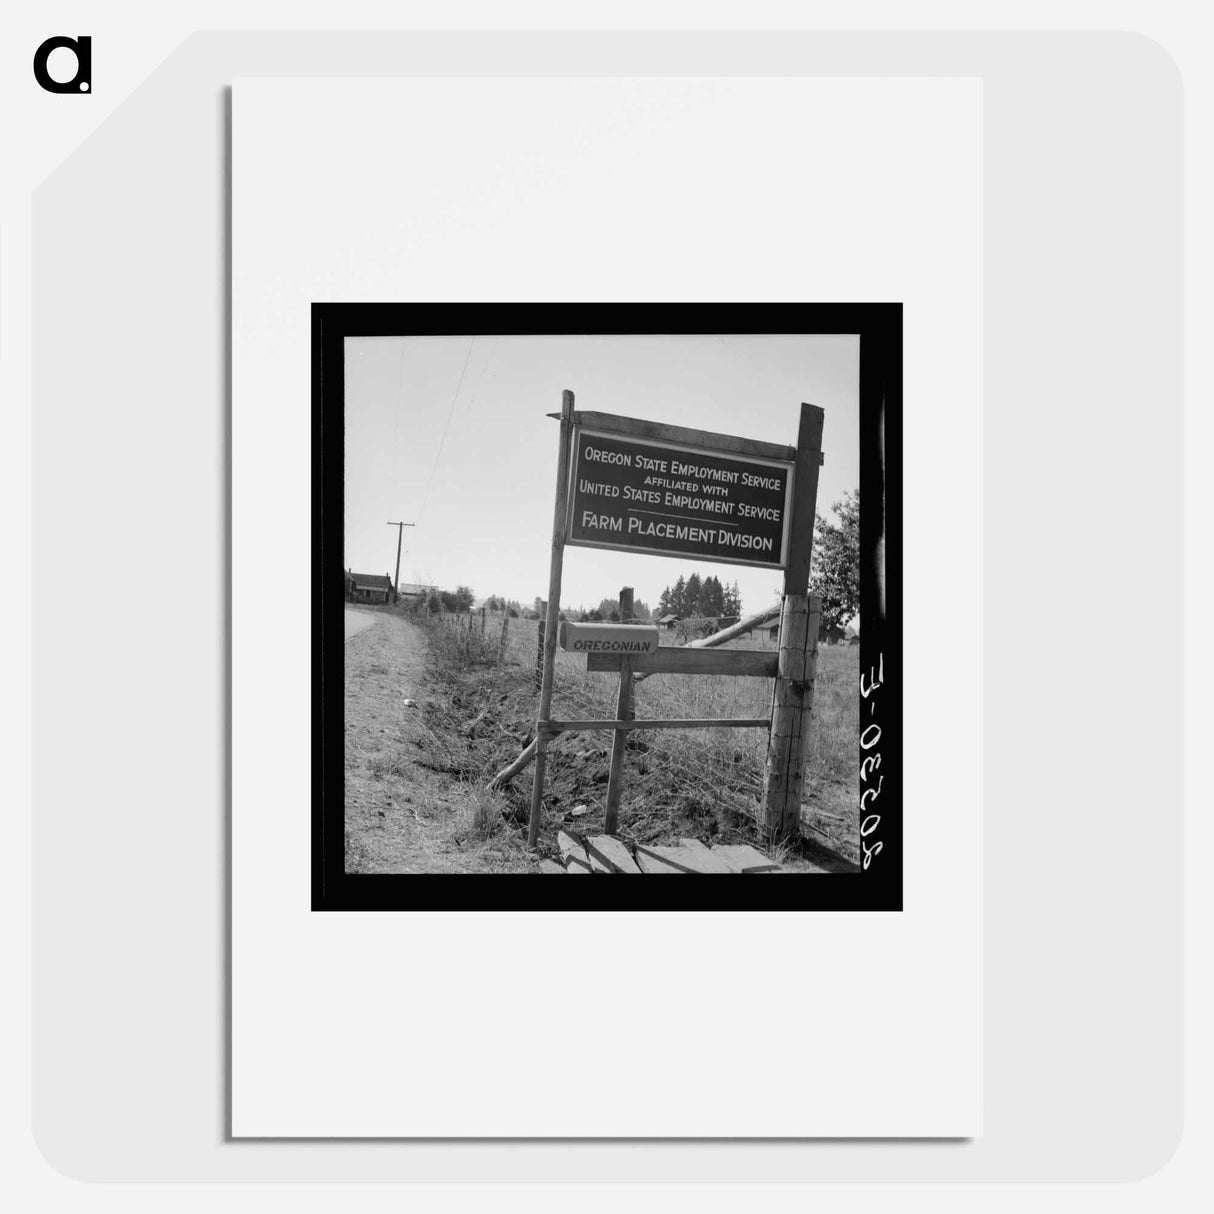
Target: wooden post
point(793, 697)
point(626, 609)
point(501, 644)
point(792, 705)
point(804, 500)
point(482, 621)
point(550, 617)
point(623, 712)
point(539, 655)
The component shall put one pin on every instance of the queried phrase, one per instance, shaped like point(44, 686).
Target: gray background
point(1081, 616)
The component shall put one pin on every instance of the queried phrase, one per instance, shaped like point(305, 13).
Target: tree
point(691, 599)
point(464, 598)
point(678, 597)
point(712, 598)
point(696, 597)
point(733, 602)
point(835, 571)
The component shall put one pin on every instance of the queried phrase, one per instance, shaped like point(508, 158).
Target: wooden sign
point(669, 491)
point(672, 659)
point(666, 490)
point(622, 640)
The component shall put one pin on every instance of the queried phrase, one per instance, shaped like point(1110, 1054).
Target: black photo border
point(878, 886)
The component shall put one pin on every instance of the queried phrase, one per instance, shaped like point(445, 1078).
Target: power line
point(441, 441)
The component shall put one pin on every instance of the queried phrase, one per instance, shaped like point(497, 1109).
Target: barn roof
point(668, 619)
point(371, 581)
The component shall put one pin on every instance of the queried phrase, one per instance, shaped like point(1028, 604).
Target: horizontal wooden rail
point(677, 659)
point(635, 427)
point(552, 727)
point(613, 423)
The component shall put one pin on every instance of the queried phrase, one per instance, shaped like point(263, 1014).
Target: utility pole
point(400, 531)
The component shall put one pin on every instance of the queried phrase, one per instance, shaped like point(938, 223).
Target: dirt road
point(406, 811)
point(357, 621)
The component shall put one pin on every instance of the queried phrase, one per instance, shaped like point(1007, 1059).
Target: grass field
point(479, 709)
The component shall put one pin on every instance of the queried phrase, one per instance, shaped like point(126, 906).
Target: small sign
point(666, 499)
point(622, 640)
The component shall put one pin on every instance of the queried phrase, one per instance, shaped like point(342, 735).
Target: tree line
point(609, 610)
point(700, 597)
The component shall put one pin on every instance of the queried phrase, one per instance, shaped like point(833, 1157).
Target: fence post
point(550, 617)
point(623, 712)
point(784, 779)
point(482, 621)
point(539, 654)
point(501, 644)
point(793, 698)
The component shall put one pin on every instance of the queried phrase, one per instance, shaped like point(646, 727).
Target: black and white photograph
point(606, 591)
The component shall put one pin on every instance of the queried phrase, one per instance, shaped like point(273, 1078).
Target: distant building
point(668, 621)
point(368, 587)
point(415, 590)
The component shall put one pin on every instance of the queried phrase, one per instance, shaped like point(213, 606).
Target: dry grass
point(479, 711)
point(415, 800)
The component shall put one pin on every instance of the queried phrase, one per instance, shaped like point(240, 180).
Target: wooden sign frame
point(792, 700)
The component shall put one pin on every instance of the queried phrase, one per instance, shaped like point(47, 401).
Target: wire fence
point(720, 766)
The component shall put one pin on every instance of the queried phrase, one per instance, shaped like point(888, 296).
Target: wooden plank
point(551, 866)
point(698, 858)
point(552, 727)
point(614, 423)
point(615, 639)
point(652, 860)
point(570, 846)
point(741, 628)
point(742, 858)
point(672, 659)
point(611, 853)
point(675, 859)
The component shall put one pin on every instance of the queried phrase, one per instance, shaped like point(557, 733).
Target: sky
point(451, 434)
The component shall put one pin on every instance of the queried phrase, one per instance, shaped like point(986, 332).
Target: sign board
point(622, 640)
point(669, 499)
